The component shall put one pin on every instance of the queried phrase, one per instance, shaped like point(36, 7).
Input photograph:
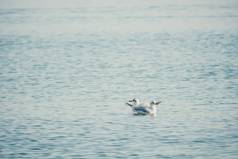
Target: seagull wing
point(141, 109)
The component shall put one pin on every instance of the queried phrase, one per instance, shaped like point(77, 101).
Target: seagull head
point(134, 102)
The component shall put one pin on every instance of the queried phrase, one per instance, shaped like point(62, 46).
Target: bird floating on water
point(139, 108)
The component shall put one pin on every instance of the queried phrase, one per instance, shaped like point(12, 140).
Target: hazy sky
point(81, 3)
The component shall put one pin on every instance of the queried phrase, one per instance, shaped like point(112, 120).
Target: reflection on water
point(65, 75)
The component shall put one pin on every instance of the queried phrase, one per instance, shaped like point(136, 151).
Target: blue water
point(66, 73)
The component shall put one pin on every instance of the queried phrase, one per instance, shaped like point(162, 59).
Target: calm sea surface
point(66, 73)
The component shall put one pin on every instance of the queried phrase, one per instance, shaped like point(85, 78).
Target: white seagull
point(143, 108)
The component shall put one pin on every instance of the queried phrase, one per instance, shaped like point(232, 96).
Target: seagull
point(139, 108)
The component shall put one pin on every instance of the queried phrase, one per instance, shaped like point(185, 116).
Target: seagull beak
point(129, 104)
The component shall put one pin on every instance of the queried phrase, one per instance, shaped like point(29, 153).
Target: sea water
point(66, 73)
